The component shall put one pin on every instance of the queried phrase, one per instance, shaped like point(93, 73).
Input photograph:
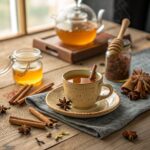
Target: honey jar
point(26, 66)
point(118, 64)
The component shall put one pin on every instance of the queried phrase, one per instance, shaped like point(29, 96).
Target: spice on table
point(64, 133)
point(39, 142)
point(49, 121)
point(22, 121)
point(130, 135)
point(24, 129)
point(56, 126)
point(137, 86)
point(64, 104)
point(58, 137)
point(49, 135)
point(3, 109)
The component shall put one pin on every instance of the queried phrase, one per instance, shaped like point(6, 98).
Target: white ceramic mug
point(84, 96)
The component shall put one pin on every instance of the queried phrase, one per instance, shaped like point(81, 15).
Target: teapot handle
point(99, 19)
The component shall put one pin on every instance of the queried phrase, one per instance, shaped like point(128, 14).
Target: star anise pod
point(129, 135)
point(64, 104)
point(138, 84)
point(24, 129)
point(3, 109)
point(133, 95)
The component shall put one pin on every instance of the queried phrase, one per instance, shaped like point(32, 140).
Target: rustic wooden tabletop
point(10, 139)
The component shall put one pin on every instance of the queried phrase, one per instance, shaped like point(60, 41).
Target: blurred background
point(138, 11)
point(38, 13)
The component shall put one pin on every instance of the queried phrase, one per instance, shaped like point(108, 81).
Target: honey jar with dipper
point(26, 66)
point(118, 56)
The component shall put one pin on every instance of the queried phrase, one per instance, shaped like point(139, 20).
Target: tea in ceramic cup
point(82, 91)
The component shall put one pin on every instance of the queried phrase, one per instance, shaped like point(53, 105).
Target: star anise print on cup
point(137, 86)
point(64, 104)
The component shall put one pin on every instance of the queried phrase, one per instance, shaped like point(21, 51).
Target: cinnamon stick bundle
point(39, 90)
point(11, 101)
point(21, 121)
point(23, 93)
point(40, 116)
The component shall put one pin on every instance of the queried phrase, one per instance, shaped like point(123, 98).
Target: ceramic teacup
point(84, 96)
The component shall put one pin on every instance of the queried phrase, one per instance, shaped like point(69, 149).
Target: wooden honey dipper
point(117, 43)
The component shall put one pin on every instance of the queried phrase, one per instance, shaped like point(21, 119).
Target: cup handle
point(107, 95)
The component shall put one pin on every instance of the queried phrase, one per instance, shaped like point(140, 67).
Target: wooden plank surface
point(54, 68)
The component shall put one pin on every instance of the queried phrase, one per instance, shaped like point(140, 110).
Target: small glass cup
point(118, 65)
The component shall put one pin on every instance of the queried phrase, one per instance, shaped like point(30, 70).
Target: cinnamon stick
point(17, 94)
point(41, 116)
point(93, 73)
point(39, 90)
point(21, 121)
point(23, 93)
point(128, 84)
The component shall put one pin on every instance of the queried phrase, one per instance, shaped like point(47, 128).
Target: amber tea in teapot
point(78, 24)
point(79, 34)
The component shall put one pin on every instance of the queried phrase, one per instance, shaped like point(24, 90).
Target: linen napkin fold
point(104, 125)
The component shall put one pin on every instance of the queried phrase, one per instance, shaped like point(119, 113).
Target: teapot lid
point(77, 12)
point(77, 15)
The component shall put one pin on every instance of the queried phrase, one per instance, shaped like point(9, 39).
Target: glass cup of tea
point(82, 91)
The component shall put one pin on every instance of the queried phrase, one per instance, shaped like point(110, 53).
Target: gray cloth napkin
point(105, 125)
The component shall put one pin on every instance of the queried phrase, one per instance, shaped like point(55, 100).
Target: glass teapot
point(78, 24)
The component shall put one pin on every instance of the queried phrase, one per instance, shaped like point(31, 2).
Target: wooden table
point(10, 139)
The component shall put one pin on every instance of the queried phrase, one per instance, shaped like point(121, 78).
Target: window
point(20, 17)
point(8, 17)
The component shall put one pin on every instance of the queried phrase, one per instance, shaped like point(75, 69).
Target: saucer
point(100, 108)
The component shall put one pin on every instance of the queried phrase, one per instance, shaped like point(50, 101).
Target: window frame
point(22, 23)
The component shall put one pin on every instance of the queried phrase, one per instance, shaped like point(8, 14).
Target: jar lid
point(26, 54)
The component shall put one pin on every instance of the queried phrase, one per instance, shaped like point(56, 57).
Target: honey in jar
point(80, 33)
point(27, 67)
